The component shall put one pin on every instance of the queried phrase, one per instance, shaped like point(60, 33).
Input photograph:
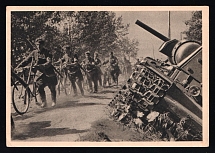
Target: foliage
point(26, 25)
point(195, 27)
point(128, 47)
point(94, 31)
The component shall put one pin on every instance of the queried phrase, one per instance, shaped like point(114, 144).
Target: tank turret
point(174, 49)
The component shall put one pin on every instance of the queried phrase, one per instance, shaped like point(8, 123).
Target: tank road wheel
point(20, 98)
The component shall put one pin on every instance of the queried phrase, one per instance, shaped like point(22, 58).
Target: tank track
point(137, 104)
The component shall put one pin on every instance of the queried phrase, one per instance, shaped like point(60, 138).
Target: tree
point(127, 47)
point(26, 25)
point(99, 31)
point(194, 31)
point(96, 31)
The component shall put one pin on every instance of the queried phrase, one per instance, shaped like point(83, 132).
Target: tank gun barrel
point(152, 31)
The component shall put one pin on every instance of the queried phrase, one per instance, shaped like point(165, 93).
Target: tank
point(164, 98)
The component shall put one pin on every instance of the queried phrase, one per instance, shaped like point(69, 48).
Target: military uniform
point(106, 77)
point(44, 75)
point(64, 60)
point(113, 67)
point(89, 66)
point(75, 75)
point(98, 64)
point(127, 68)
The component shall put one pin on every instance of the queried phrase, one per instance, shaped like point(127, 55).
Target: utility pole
point(69, 31)
point(169, 31)
point(69, 26)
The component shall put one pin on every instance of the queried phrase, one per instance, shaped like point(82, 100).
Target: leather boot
point(43, 99)
point(44, 104)
point(53, 104)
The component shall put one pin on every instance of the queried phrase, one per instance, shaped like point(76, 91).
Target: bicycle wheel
point(85, 83)
point(20, 98)
point(60, 86)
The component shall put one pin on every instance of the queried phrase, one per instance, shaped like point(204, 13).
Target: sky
point(157, 20)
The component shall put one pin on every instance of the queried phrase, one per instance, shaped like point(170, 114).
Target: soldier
point(64, 60)
point(114, 68)
point(74, 73)
point(98, 65)
point(127, 68)
point(91, 72)
point(106, 77)
point(44, 75)
point(137, 63)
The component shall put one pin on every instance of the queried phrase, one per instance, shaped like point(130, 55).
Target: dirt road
point(72, 119)
point(68, 120)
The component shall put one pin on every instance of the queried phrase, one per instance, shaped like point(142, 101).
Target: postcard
point(131, 76)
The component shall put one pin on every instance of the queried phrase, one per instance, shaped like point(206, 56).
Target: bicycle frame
point(26, 84)
point(62, 80)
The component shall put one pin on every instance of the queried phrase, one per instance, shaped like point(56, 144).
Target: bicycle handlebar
point(21, 69)
point(18, 78)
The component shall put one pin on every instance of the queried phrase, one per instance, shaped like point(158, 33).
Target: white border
point(205, 71)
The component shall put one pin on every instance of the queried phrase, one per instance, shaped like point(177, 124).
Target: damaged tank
point(164, 98)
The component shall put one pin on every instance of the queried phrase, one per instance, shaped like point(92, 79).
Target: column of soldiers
point(73, 69)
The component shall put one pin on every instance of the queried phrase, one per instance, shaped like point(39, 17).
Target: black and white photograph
point(107, 76)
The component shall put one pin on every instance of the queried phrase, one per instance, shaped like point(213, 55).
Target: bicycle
point(21, 92)
point(85, 84)
point(63, 82)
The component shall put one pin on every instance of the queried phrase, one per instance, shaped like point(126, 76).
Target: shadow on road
point(21, 117)
point(39, 129)
point(107, 91)
point(66, 104)
point(76, 104)
point(98, 97)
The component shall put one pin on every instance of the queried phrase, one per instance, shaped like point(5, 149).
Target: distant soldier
point(127, 68)
point(74, 73)
point(106, 77)
point(91, 72)
point(113, 67)
point(45, 75)
point(64, 61)
point(98, 66)
point(137, 63)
